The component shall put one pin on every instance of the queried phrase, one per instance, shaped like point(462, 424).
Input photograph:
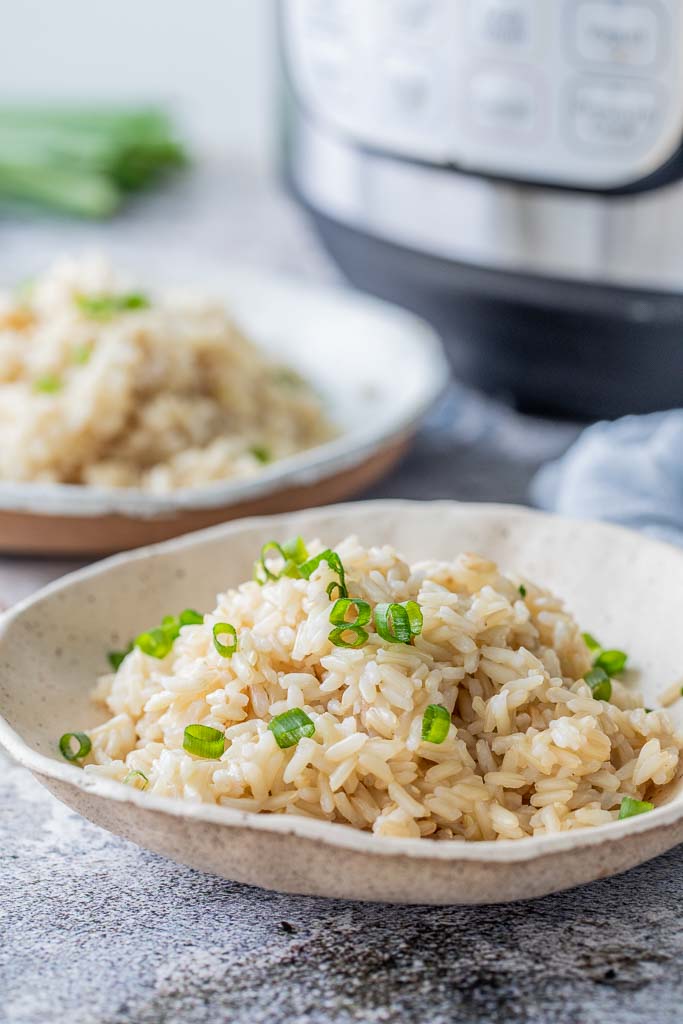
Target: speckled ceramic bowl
point(617, 583)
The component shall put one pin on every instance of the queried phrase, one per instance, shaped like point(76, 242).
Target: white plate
point(619, 584)
point(377, 367)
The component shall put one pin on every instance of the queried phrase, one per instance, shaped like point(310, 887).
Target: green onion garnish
point(522, 590)
point(612, 662)
point(261, 453)
point(353, 627)
point(204, 741)
point(398, 623)
point(262, 564)
point(291, 726)
point(629, 807)
point(599, 682)
point(436, 722)
point(81, 354)
point(116, 657)
point(48, 385)
point(295, 563)
point(306, 569)
point(292, 552)
point(295, 550)
point(289, 378)
point(103, 307)
point(189, 617)
point(66, 746)
point(132, 778)
point(155, 642)
point(225, 629)
point(158, 642)
point(340, 636)
point(342, 606)
point(590, 642)
point(414, 617)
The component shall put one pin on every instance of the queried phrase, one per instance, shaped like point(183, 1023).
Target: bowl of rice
point(133, 413)
point(407, 701)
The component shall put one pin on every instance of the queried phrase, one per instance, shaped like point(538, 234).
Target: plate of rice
point(406, 701)
point(130, 413)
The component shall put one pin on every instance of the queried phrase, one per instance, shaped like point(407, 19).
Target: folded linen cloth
point(628, 472)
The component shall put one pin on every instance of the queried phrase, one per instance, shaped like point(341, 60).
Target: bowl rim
point(331, 834)
point(304, 468)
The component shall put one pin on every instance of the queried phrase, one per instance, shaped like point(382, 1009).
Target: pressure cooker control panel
point(582, 93)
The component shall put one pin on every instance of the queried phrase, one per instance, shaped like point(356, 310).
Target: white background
point(210, 60)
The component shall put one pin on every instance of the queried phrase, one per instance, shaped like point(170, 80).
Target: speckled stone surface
point(93, 929)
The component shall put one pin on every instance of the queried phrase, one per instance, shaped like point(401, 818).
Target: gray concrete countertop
point(93, 929)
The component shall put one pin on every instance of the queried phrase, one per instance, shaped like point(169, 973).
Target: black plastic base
point(549, 346)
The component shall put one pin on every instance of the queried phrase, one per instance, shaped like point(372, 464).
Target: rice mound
point(529, 751)
point(159, 397)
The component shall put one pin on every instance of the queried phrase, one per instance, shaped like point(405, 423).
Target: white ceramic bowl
point(619, 584)
point(378, 368)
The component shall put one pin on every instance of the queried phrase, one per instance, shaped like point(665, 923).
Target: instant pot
point(510, 169)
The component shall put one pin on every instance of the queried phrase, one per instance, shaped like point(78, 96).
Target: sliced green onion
point(341, 607)
point(81, 354)
point(333, 560)
point(103, 307)
point(599, 682)
point(116, 657)
point(436, 722)
point(392, 622)
point(351, 627)
point(295, 549)
point(415, 618)
point(612, 662)
point(225, 629)
point(66, 746)
point(291, 726)
point(189, 617)
point(340, 636)
point(262, 571)
point(204, 741)
point(48, 385)
point(132, 778)
point(590, 642)
point(292, 552)
point(629, 807)
point(289, 378)
point(261, 453)
point(522, 590)
point(156, 642)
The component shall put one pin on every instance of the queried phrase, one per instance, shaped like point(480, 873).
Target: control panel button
point(329, 73)
point(503, 24)
point(408, 89)
point(325, 16)
point(613, 112)
point(413, 17)
point(626, 33)
point(503, 102)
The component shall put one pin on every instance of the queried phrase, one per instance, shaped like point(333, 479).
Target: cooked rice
point(529, 750)
point(158, 398)
point(671, 694)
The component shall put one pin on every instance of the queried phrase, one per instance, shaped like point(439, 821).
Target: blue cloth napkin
point(628, 472)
